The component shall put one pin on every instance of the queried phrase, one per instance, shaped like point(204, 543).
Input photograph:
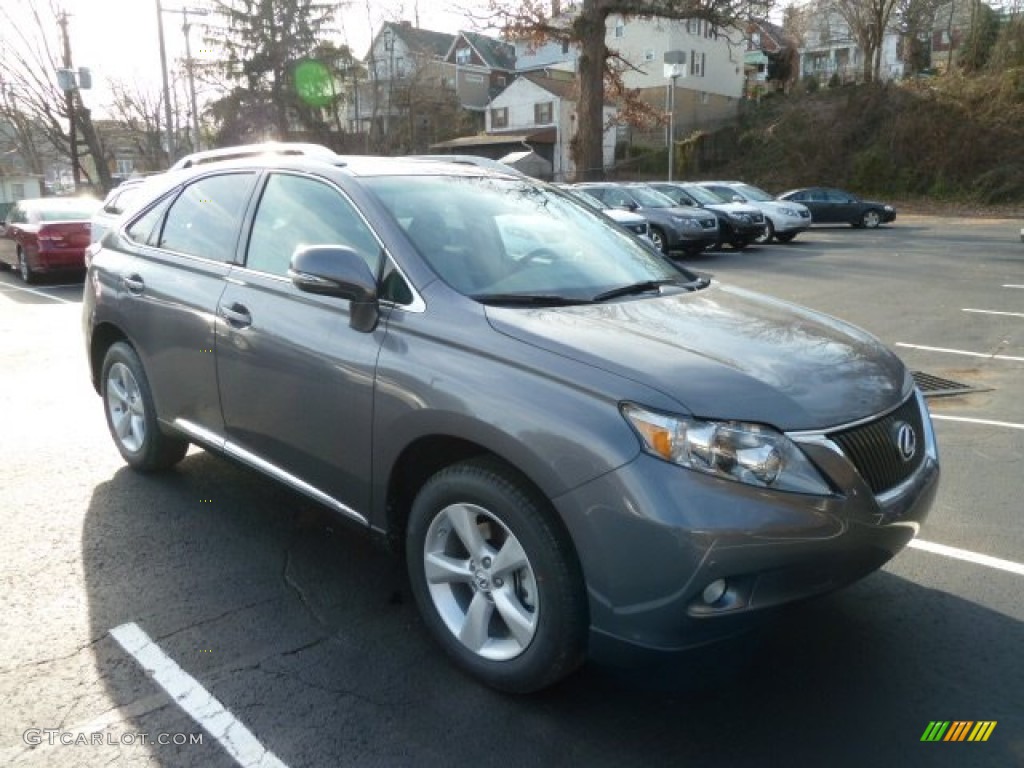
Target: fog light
point(714, 591)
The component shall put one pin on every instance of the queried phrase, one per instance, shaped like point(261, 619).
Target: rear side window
point(296, 211)
point(205, 218)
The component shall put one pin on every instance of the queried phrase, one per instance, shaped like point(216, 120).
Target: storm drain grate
point(934, 386)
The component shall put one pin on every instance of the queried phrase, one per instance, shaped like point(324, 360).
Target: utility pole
point(186, 26)
point(167, 88)
point(69, 101)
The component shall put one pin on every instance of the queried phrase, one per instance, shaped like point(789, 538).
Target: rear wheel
point(131, 413)
point(24, 270)
point(495, 577)
point(768, 234)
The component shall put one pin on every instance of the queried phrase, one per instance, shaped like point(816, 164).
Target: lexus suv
point(578, 446)
point(739, 224)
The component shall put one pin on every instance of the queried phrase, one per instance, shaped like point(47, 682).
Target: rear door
point(170, 274)
point(296, 381)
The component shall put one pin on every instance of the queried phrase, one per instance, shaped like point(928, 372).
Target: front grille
point(873, 448)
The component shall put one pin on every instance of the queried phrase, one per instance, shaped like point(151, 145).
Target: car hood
point(725, 353)
point(733, 208)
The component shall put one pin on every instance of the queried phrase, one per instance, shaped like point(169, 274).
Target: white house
point(544, 109)
point(830, 50)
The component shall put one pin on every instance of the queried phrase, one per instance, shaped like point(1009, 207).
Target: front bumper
point(653, 536)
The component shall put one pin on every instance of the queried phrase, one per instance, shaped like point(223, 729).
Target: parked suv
point(580, 446)
point(784, 220)
point(739, 224)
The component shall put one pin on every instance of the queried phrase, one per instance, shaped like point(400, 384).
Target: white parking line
point(968, 556)
point(994, 312)
point(1013, 286)
point(961, 352)
point(9, 287)
point(195, 700)
point(986, 422)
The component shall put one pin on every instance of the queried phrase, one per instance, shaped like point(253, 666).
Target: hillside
point(949, 138)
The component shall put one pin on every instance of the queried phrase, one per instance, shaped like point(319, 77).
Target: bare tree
point(598, 73)
point(28, 72)
point(139, 111)
point(868, 21)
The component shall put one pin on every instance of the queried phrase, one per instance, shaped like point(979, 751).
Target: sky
point(118, 39)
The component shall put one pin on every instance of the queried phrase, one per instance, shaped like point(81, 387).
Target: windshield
point(649, 197)
point(500, 239)
point(753, 193)
point(702, 195)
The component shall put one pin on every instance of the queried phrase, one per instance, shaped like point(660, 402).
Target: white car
point(784, 220)
point(114, 205)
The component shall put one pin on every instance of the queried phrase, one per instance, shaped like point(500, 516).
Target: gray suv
point(580, 447)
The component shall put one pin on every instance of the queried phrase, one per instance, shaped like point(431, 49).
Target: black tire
point(659, 239)
point(739, 243)
point(768, 234)
point(131, 413)
point(518, 626)
point(24, 270)
point(786, 237)
point(871, 219)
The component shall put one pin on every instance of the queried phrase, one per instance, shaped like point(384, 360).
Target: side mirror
point(738, 199)
point(337, 270)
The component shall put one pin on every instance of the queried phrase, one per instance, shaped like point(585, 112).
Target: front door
point(296, 380)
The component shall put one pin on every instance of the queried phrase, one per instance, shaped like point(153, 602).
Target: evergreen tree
point(265, 45)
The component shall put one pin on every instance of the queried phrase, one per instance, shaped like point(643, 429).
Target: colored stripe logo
point(958, 730)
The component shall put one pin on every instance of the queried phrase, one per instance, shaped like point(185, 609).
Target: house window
point(649, 55)
point(565, 46)
point(499, 117)
point(462, 55)
point(542, 113)
point(125, 167)
point(18, 191)
point(693, 26)
point(620, 28)
point(696, 64)
point(471, 78)
point(500, 80)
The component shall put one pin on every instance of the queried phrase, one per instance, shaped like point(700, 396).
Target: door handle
point(134, 284)
point(237, 316)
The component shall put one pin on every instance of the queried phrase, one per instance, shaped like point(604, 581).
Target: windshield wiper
point(647, 286)
point(528, 299)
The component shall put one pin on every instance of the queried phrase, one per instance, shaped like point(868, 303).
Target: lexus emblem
point(906, 440)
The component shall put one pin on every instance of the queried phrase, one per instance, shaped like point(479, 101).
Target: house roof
point(496, 54)
point(419, 40)
point(562, 88)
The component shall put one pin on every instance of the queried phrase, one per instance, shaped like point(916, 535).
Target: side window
point(296, 211)
point(205, 218)
point(146, 228)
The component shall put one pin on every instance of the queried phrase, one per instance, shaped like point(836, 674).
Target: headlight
point(888, 208)
point(748, 453)
point(686, 223)
point(742, 218)
point(793, 212)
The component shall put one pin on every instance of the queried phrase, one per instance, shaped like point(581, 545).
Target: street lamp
point(674, 61)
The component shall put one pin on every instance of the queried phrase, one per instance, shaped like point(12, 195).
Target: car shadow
point(305, 629)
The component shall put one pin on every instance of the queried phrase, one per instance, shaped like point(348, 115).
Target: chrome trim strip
point(815, 434)
point(235, 451)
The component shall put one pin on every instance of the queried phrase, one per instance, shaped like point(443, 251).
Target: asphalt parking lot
point(208, 617)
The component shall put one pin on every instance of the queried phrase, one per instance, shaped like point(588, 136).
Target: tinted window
point(205, 218)
point(296, 211)
point(146, 229)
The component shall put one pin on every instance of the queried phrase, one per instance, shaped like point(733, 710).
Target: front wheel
point(495, 577)
point(786, 237)
point(659, 239)
point(871, 219)
point(769, 232)
point(131, 414)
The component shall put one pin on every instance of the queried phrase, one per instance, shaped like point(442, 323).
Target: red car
point(47, 234)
